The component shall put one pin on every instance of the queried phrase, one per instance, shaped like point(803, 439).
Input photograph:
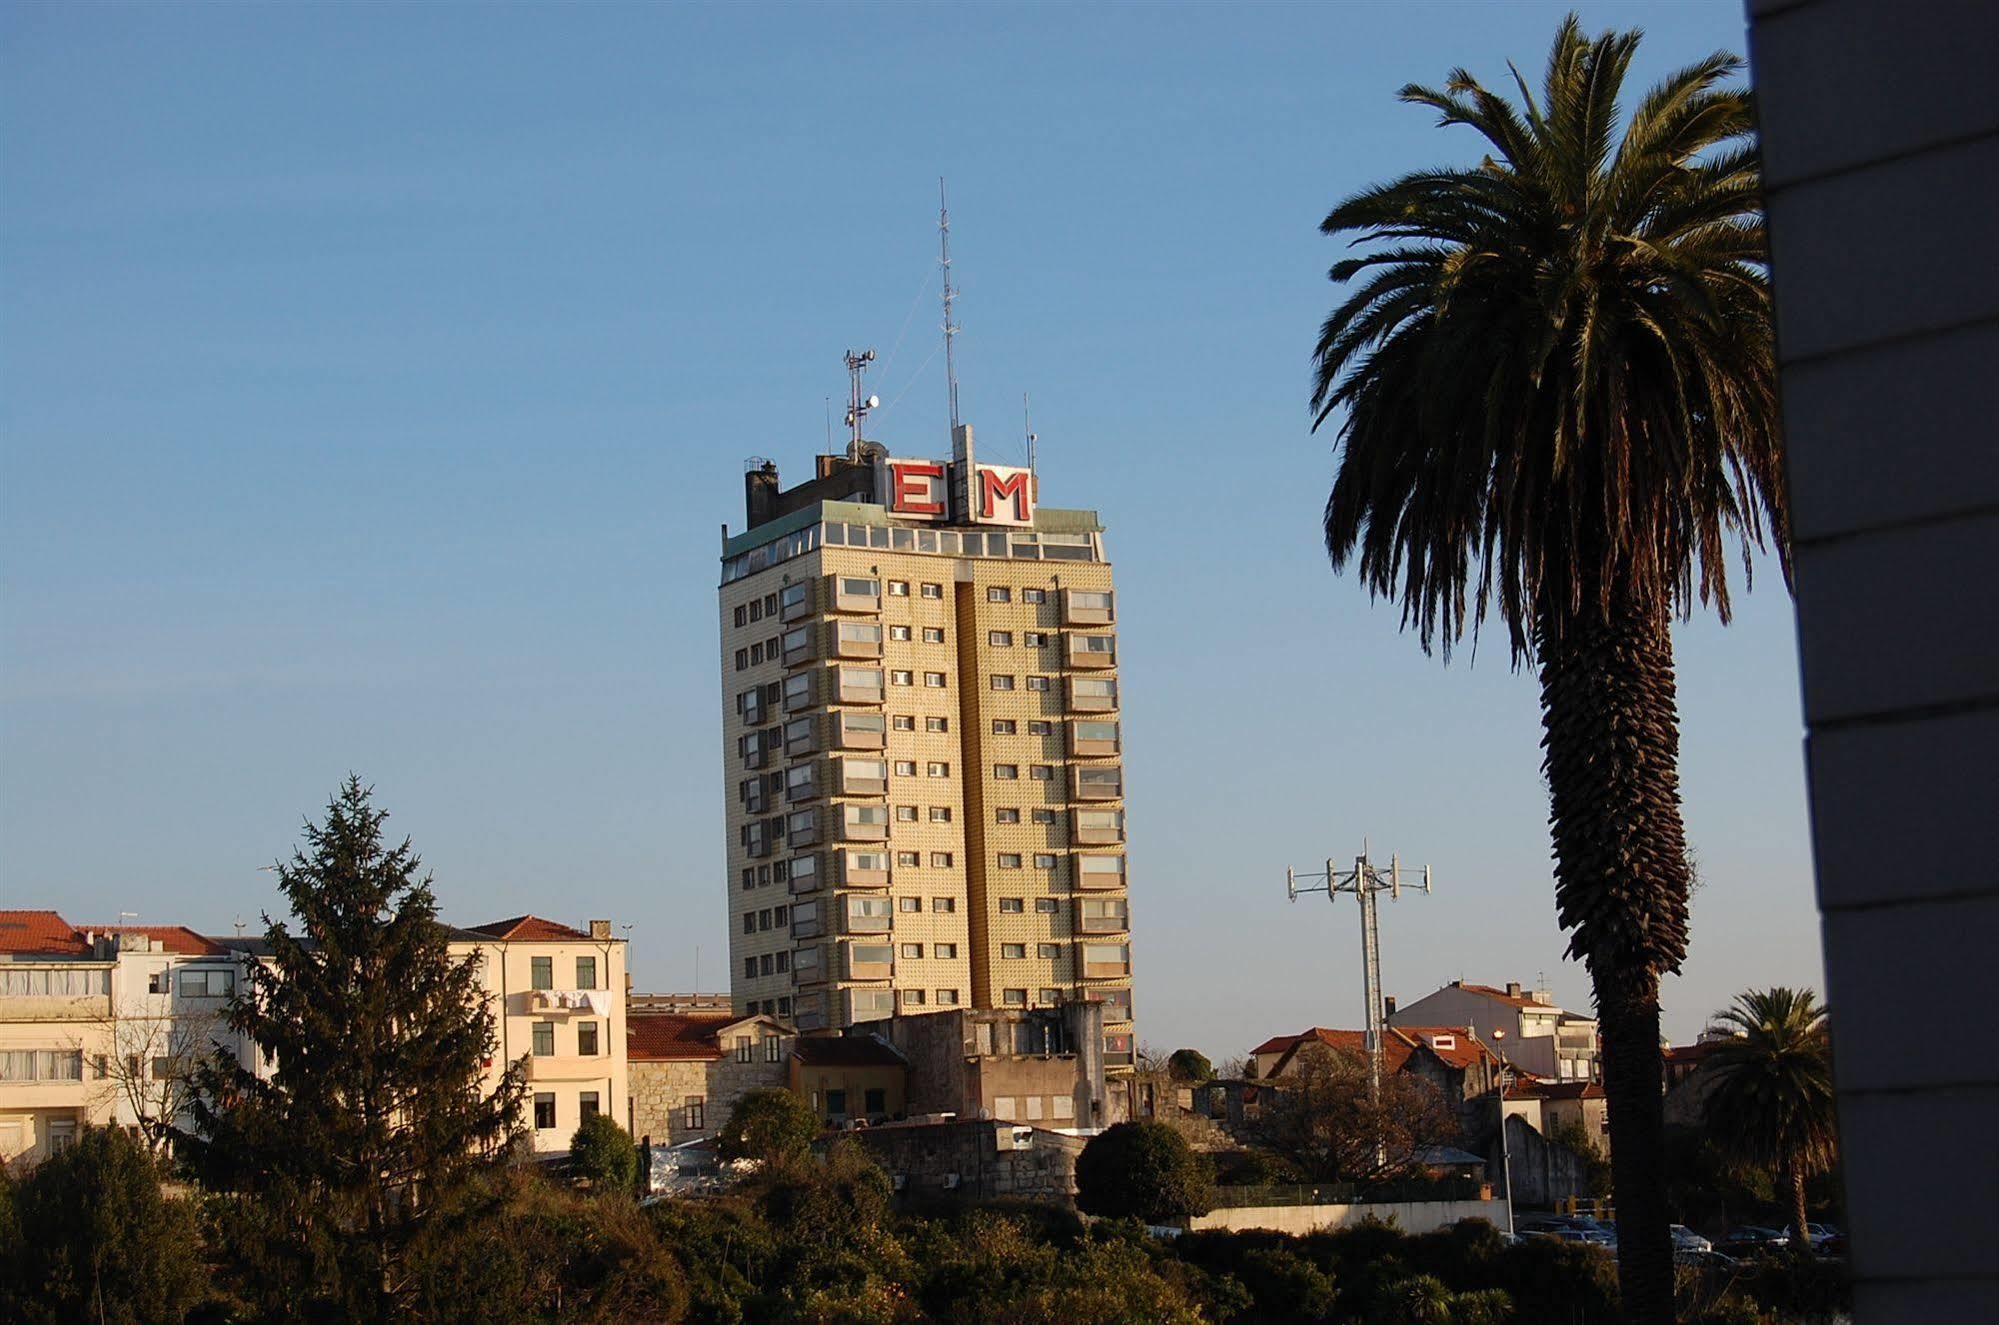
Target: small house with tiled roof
point(689, 1069)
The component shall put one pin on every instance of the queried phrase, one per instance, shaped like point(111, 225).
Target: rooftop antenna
point(950, 295)
point(857, 404)
point(239, 924)
point(1027, 422)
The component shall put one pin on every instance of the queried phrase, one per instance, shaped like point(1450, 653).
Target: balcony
point(804, 873)
point(801, 788)
point(864, 823)
point(1088, 607)
point(867, 915)
point(569, 1067)
point(864, 869)
point(856, 639)
point(758, 841)
point(853, 593)
point(794, 602)
point(1105, 961)
point(861, 777)
point(1097, 828)
point(868, 961)
point(1093, 737)
point(801, 827)
point(858, 685)
point(808, 965)
point(1092, 694)
point(1090, 651)
point(1105, 915)
point(798, 646)
point(801, 737)
point(569, 1000)
point(860, 731)
point(1097, 872)
point(1097, 783)
point(800, 692)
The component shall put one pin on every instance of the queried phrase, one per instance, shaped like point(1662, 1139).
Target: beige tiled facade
point(978, 672)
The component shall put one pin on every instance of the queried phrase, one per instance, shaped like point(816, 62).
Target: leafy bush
point(768, 1125)
point(1141, 1170)
point(1190, 1065)
point(602, 1154)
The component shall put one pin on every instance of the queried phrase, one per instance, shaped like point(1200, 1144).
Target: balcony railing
point(1088, 607)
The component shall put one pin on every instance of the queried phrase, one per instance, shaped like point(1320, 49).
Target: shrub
point(601, 1154)
point(1190, 1065)
point(1142, 1170)
point(768, 1125)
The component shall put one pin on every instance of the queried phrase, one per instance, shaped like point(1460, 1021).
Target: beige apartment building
point(922, 747)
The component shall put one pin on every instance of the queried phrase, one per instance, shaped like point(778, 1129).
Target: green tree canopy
point(93, 1238)
point(1144, 1170)
point(1190, 1065)
point(1554, 381)
point(375, 1110)
point(604, 1155)
point(1770, 1105)
point(768, 1125)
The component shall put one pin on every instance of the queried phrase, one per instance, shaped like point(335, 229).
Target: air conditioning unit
point(950, 1182)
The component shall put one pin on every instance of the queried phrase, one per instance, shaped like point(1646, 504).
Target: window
point(1037, 683)
point(1047, 906)
point(750, 922)
point(859, 587)
point(935, 680)
point(1013, 950)
point(944, 952)
point(1044, 860)
point(1009, 860)
point(912, 951)
point(1014, 998)
point(1040, 728)
point(544, 1111)
point(1006, 816)
point(1000, 639)
point(742, 616)
point(906, 768)
point(793, 595)
point(903, 722)
point(900, 678)
point(1049, 998)
point(586, 972)
point(798, 690)
point(694, 1113)
point(587, 1106)
point(1004, 727)
point(898, 588)
point(939, 769)
point(1048, 951)
point(207, 983)
point(773, 1049)
point(908, 859)
point(933, 591)
point(756, 609)
point(836, 1102)
point(940, 814)
point(1006, 772)
point(897, 633)
point(947, 998)
point(913, 997)
point(745, 1049)
point(541, 972)
point(944, 905)
point(779, 914)
point(996, 594)
point(770, 604)
point(1042, 773)
point(937, 724)
point(750, 968)
point(544, 1039)
point(933, 635)
point(1012, 905)
point(909, 903)
point(1034, 639)
point(767, 964)
point(742, 659)
point(876, 1100)
point(940, 860)
point(1000, 682)
point(1044, 816)
point(784, 1007)
point(586, 1038)
point(905, 813)
point(1033, 595)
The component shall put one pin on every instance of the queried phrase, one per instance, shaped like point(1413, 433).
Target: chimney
point(760, 492)
point(600, 929)
point(1513, 989)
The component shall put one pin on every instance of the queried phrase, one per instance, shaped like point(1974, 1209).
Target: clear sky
point(374, 381)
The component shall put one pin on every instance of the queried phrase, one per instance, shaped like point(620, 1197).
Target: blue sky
point(374, 382)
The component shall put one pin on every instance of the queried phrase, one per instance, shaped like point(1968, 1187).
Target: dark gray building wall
point(1881, 146)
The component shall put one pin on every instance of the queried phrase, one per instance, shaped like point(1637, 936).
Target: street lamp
point(1505, 1151)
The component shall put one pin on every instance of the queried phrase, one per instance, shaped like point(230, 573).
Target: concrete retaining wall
point(1409, 1216)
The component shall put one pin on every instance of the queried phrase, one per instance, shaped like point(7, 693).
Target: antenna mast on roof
point(857, 404)
point(950, 294)
point(1027, 423)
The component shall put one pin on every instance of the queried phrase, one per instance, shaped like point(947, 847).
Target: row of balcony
point(864, 868)
point(847, 683)
point(857, 776)
point(862, 594)
point(869, 959)
point(874, 913)
point(862, 823)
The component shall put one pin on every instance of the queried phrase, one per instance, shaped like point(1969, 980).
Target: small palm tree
point(1558, 395)
point(1771, 1102)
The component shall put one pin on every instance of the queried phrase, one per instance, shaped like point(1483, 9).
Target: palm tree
point(1770, 1104)
point(1557, 389)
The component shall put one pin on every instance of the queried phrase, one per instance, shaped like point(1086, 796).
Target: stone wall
point(934, 1163)
point(660, 1090)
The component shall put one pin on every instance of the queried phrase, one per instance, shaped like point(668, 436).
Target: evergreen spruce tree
point(373, 1114)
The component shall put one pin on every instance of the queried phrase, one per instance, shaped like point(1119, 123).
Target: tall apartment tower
point(922, 747)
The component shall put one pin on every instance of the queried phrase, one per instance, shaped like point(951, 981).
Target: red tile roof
point(663, 1037)
point(529, 929)
point(177, 939)
point(1556, 1090)
point(1465, 1050)
point(846, 1051)
point(40, 934)
point(1396, 1048)
point(1692, 1053)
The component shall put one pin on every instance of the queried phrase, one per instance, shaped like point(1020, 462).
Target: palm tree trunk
point(1802, 1236)
point(1612, 749)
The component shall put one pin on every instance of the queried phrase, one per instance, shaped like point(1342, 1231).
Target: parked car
point(1570, 1228)
point(1753, 1240)
point(1706, 1260)
point(1685, 1239)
